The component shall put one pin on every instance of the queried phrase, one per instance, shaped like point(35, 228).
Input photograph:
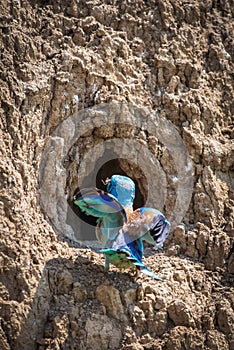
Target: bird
point(120, 229)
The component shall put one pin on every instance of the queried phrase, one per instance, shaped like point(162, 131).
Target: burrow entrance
point(112, 139)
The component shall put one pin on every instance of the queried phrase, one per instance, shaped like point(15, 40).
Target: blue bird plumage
point(126, 253)
point(121, 230)
point(123, 189)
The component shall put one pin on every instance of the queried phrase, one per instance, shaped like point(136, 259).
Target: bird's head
point(122, 188)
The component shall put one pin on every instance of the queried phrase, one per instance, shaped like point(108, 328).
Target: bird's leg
point(107, 264)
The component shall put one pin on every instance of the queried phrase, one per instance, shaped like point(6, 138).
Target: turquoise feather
point(110, 214)
point(123, 189)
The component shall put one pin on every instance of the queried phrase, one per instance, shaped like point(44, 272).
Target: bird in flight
point(120, 229)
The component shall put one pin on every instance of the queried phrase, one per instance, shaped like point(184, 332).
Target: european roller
point(120, 229)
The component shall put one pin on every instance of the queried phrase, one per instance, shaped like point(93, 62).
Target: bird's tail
point(139, 265)
point(150, 273)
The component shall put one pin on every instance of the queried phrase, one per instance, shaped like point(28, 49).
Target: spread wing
point(149, 224)
point(110, 214)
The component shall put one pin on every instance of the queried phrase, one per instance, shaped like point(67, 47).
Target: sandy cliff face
point(59, 58)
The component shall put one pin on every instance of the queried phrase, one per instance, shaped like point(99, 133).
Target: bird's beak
point(107, 181)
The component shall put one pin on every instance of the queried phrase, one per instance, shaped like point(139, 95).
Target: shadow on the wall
point(66, 287)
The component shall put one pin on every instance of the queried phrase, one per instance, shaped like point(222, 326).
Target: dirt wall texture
point(59, 57)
